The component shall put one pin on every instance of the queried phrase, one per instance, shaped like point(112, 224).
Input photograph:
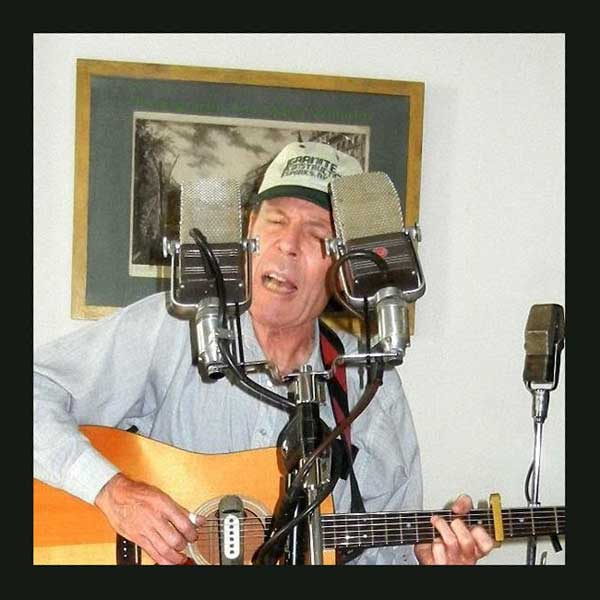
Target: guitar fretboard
point(400, 528)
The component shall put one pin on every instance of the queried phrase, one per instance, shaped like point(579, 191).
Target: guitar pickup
point(231, 514)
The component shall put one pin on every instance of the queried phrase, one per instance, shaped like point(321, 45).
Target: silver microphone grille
point(365, 205)
point(214, 207)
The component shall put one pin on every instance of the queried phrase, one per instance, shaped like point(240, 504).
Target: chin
point(275, 316)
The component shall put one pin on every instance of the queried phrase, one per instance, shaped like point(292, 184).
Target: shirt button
point(262, 432)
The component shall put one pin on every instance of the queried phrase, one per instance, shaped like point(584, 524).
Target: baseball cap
point(304, 170)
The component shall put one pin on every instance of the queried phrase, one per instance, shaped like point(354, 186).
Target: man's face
point(288, 274)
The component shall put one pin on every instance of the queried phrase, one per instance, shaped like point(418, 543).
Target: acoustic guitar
point(67, 530)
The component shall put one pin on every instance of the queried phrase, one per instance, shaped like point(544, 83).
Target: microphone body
point(367, 216)
point(214, 207)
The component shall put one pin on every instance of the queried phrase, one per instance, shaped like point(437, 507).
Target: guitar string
point(351, 532)
point(333, 541)
point(548, 524)
point(340, 520)
point(506, 513)
point(515, 520)
point(392, 536)
point(545, 527)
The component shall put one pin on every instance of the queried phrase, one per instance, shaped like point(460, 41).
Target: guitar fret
point(385, 524)
point(346, 534)
point(532, 520)
point(556, 520)
point(417, 538)
point(510, 523)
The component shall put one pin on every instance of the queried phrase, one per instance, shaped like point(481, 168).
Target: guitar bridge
point(128, 553)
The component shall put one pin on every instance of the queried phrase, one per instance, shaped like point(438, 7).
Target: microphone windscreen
point(365, 205)
point(214, 206)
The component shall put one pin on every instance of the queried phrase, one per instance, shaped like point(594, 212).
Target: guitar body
point(67, 530)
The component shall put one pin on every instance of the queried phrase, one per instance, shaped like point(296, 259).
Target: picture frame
point(111, 96)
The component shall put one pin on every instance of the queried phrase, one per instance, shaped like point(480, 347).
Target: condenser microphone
point(211, 207)
point(544, 341)
point(367, 216)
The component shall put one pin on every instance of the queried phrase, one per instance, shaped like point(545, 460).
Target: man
point(134, 368)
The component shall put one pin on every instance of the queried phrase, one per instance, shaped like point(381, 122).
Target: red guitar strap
point(331, 347)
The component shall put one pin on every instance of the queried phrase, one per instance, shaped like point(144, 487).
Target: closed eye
point(319, 234)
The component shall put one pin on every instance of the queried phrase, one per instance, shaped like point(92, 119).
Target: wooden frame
point(107, 94)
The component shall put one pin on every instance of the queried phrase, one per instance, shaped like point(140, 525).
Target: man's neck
point(287, 348)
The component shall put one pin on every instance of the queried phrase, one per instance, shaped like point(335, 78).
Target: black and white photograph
point(170, 149)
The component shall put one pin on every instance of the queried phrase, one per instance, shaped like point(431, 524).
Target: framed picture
point(142, 129)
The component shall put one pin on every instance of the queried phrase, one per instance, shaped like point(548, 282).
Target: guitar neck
point(400, 528)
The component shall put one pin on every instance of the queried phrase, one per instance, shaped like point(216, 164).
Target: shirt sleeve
point(389, 472)
point(103, 375)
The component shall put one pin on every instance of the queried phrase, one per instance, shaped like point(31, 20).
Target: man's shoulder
point(154, 303)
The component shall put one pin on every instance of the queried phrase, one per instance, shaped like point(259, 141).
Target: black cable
point(333, 274)
point(246, 383)
point(209, 257)
point(261, 556)
point(251, 386)
point(360, 406)
point(367, 335)
point(240, 343)
point(295, 487)
point(527, 483)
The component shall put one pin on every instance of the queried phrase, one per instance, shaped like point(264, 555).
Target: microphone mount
point(213, 318)
point(390, 299)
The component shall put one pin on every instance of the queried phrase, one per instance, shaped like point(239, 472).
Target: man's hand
point(148, 517)
point(456, 544)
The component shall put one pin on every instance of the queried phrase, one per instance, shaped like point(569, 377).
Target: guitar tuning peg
point(543, 558)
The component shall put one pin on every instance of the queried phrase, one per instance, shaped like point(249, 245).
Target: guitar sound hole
point(207, 549)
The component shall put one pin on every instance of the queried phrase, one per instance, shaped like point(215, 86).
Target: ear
point(252, 220)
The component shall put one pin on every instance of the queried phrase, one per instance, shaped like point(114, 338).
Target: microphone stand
point(311, 478)
point(541, 399)
point(297, 441)
point(540, 391)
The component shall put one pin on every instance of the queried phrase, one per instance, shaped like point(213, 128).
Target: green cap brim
point(297, 191)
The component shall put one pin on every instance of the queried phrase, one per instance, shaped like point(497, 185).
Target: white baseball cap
point(304, 170)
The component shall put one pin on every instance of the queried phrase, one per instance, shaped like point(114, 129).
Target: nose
point(289, 242)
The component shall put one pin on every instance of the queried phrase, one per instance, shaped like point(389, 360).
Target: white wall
point(492, 215)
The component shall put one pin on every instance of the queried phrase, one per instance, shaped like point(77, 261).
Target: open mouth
point(278, 284)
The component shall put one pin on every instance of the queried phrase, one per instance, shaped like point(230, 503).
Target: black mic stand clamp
point(297, 441)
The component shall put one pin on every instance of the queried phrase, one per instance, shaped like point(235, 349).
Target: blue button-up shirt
point(135, 368)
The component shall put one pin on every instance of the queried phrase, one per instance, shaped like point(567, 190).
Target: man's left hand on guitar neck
point(456, 544)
